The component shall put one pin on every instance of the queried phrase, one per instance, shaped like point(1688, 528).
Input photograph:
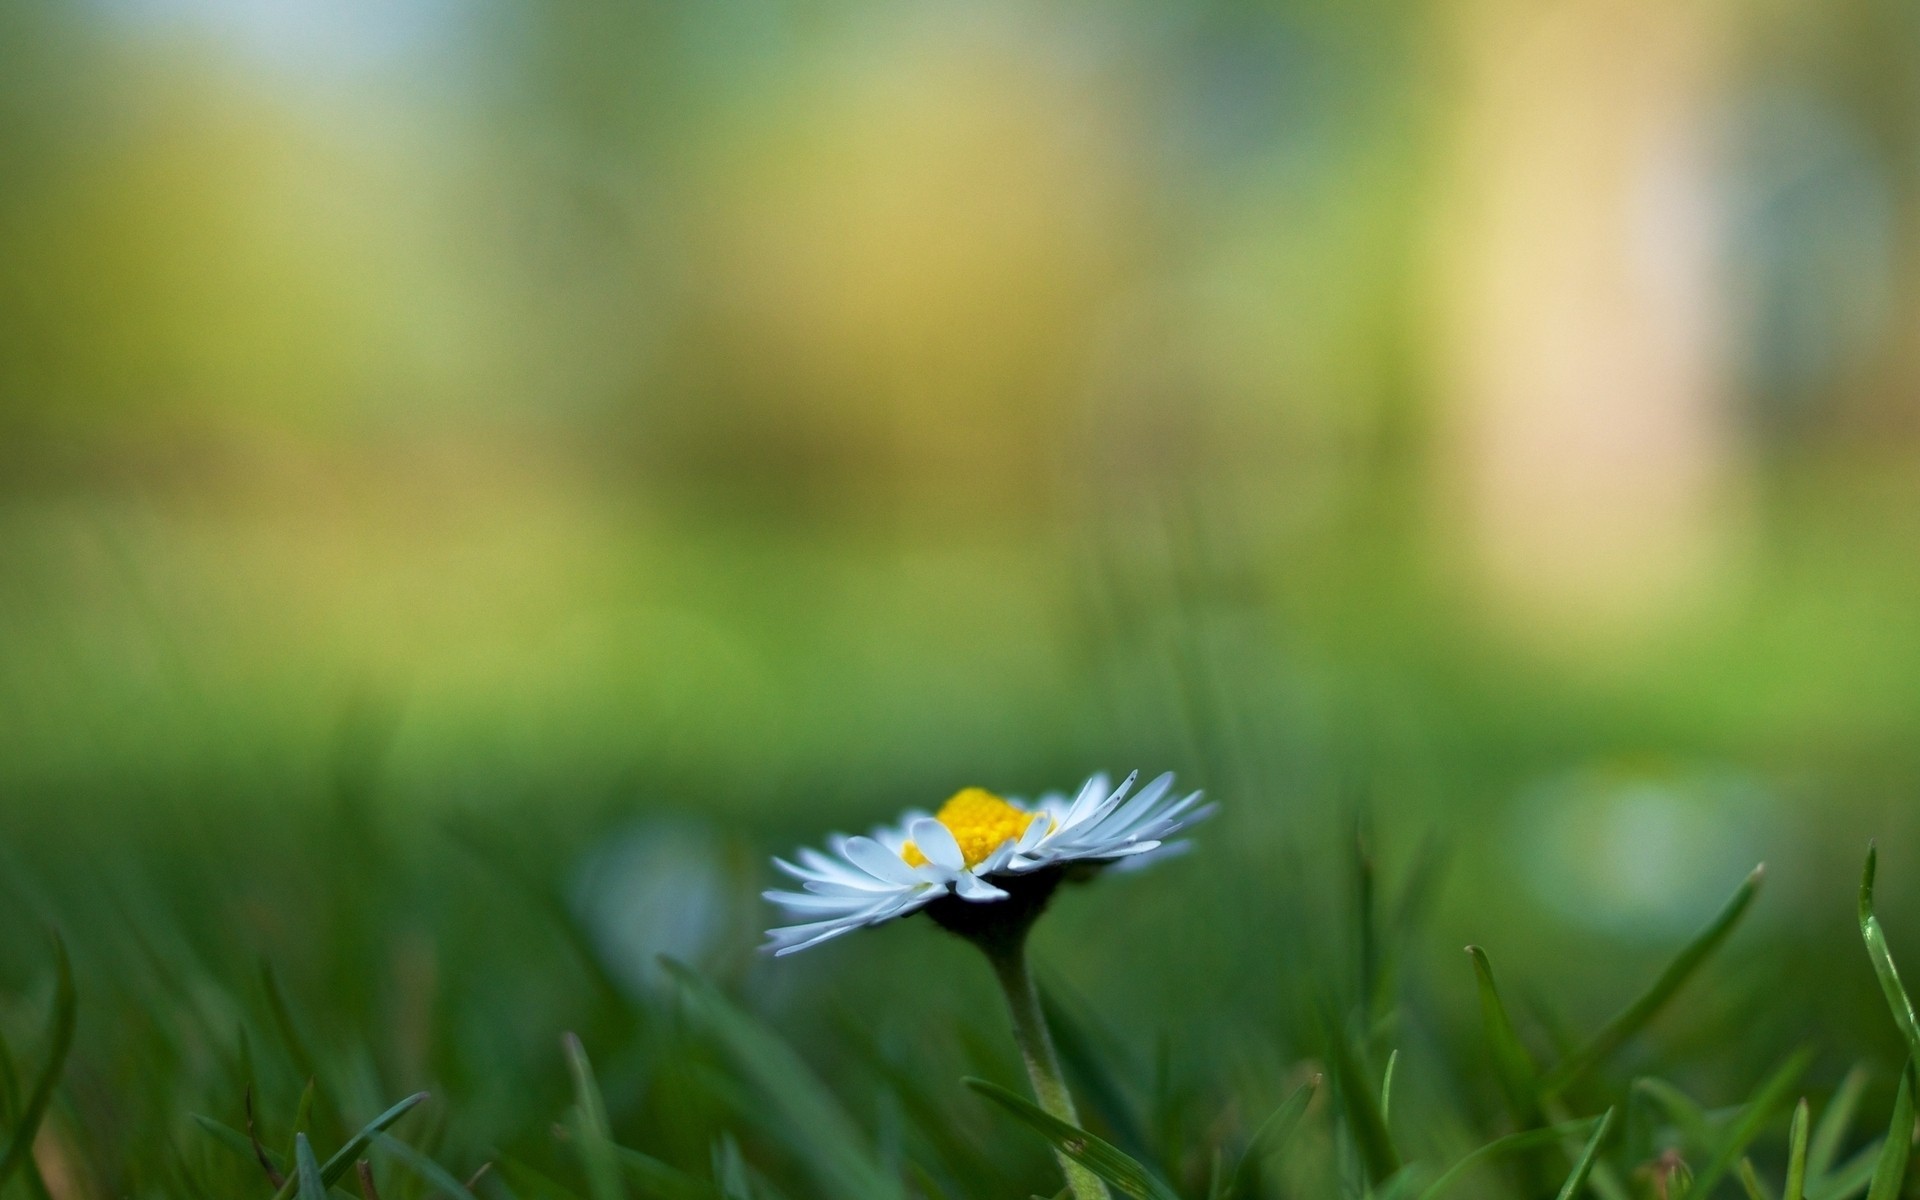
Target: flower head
point(979, 849)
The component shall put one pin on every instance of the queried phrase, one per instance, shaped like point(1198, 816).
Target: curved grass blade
point(1750, 1182)
point(1513, 1143)
point(658, 1179)
point(306, 1171)
point(429, 1171)
point(1851, 1179)
point(1386, 1090)
point(1824, 1149)
point(1680, 1108)
point(1369, 1129)
point(1753, 1118)
point(66, 1005)
point(1636, 1015)
point(238, 1143)
point(343, 1158)
point(1077, 1144)
point(1876, 939)
point(1890, 1172)
point(1513, 1067)
point(595, 1133)
point(1267, 1140)
point(1796, 1188)
point(812, 1120)
point(1583, 1167)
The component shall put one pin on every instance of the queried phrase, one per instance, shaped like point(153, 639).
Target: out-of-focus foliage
point(474, 479)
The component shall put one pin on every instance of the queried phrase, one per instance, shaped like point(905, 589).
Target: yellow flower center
point(980, 821)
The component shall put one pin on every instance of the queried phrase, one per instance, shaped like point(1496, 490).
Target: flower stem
point(1009, 959)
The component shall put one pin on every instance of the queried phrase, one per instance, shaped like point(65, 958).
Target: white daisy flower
point(981, 849)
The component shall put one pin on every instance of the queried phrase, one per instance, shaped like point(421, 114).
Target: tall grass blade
point(1824, 1149)
point(430, 1172)
point(66, 1007)
point(1269, 1138)
point(1103, 1159)
point(1513, 1067)
point(1876, 939)
point(1750, 1182)
point(1583, 1167)
point(1753, 1118)
point(595, 1133)
point(1369, 1128)
point(306, 1171)
point(1890, 1172)
point(817, 1126)
point(1796, 1188)
point(343, 1158)
point(1513, 1143)
point(1636, 1015)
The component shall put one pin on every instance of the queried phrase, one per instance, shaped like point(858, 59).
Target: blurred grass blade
point(1513, 1143)
point(1680, 1108)
point(1583, 1167)
point(730, 1170)
point(1270, 1137)
point(1824, 1149)
point(1364, 1121)
point(1636, 1015)
point(1890, 1172)
point(658, 1179)
point(283, 1022)
point(809, 1116)
point(66, 1006)
point(594, 1137)
point(343, 1158)
point(1752, 1119)
point(1097, 1086)
point(1876, 939)
point(1386, 1090)
point(1513, 1067)
point(1077, 1144)
point(307, 1170)
point(1796, 1188)
point(1750, 1182)
point(430, 1172)
point(1851, 1179)
point(236, 1141)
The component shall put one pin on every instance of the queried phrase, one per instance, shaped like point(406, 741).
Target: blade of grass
point(237, 1142)
point(1824, 1149)
point(306, 1170)
point(1588, 1156)
point(1752, 1119)
point(658, 1179)
point(594, 1139)
point(1890, 1172)
point(1680, 1108)
point(429, 1171)
point(1851, 1179)
point(1386, 1090)
point(1750, 1182)
point(66, 1005)
point(1513, 1067)
point(1796, 1188)
point(1369, 1129)
point(1876, 939)
point(343, 1158)
point(1636, 1015)
point(811, 1119)
point(1270, 1137)
point(1097, 1156)
point(1513, 1143)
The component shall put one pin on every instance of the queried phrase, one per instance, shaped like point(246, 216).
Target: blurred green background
point(600, 444)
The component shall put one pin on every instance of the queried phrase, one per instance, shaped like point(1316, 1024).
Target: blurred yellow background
point(777, 395)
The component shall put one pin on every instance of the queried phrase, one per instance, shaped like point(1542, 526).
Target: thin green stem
point(1009, 959)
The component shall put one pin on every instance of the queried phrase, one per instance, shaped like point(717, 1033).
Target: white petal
point(972, 887)
point(936, 841)
point(878, 861)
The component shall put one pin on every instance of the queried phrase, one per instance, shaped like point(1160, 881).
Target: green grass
point(257, 1007)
